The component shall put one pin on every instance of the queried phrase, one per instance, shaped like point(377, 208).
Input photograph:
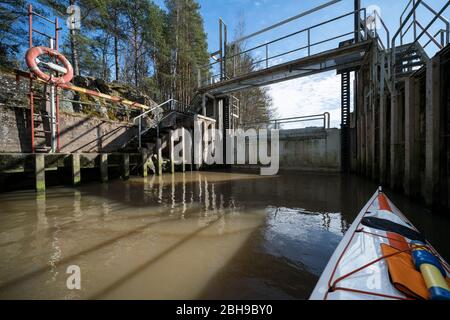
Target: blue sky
point(305, 96)
point(318, 93)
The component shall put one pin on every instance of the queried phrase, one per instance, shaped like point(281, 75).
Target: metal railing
point(278, 123)
point(414, 25)
point(139, 120)
point(377, 17)
point(406, 26)
point(167, 107)
point(207, 75)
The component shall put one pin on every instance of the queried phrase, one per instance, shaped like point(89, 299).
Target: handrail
point(414, 23)
point(309, 45)
point(140, 133)
point(172, 103)
point(440, 32)
point(388, 38)
point(326, 117)
point(432, 39)
point(153, 109)
point(425, 30)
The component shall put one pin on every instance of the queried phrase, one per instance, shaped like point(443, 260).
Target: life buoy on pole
point(33, 53)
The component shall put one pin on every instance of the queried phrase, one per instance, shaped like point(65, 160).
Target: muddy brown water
point(189, 236)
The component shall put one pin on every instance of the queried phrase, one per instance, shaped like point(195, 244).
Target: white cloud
point(307, 96)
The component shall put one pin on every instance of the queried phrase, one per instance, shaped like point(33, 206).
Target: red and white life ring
point(35, 52)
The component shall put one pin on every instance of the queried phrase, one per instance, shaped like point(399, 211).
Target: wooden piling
point(75, 169)
point(39, 172)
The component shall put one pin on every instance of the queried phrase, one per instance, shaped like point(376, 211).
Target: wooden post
point(183, 139)
point(171, 151)
point(104, 167)
point(159, 155)
point(412, 151)
point(125, 166)
point(39, 172)
point(431, 189)
point(75, 169)
point(144, 160)
point(383, 138)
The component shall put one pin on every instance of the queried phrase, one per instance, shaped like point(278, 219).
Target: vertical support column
point(411, 178)
point(75, 169)
point(104, 167)
point(383, 139)
point(204, 105)
point(367, 137)
point(382, 124)
point(432, 118)
point(39, 172)
point(345, 122)
point(361, 122)
point(396, 180)
point(144, 162)
point(215, 109)
point(171, 151)
point(205, 140)
point(183, 139)
point(190, 148)
point(159, 156)
point(374, 104)
point(226, 126)
point(125, 166)
point(357, 25)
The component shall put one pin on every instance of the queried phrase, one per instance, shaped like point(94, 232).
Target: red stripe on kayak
point(383, 203)
point(397, 241)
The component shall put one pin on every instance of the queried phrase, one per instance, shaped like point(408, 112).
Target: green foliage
point(11, 29)
point(136, 43)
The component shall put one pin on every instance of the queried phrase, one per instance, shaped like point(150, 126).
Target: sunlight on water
point(186, 236)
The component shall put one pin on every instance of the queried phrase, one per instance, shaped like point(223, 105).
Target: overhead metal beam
point(357, 22)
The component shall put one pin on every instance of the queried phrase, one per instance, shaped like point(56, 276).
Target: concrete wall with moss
point(87, 124)
point(78, 133)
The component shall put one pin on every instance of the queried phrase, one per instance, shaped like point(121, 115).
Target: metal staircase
point(153, 124)
point(409, 58)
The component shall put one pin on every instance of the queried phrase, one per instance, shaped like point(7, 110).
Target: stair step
point(409, 65)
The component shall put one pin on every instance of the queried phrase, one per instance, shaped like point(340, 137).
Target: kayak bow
point(383, 256)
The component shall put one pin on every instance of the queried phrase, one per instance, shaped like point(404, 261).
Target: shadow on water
point(257, 237)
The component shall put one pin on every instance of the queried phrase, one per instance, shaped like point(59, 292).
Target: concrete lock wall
point(310, 149)
point(77, 133)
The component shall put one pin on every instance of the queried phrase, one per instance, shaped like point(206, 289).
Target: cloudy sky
point(304, 96)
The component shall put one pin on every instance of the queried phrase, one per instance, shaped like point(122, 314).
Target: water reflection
point(183, 236)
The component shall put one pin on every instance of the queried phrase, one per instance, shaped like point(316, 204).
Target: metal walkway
point(348, 57)
point(314, 49)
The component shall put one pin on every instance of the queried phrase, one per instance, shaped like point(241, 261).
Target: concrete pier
point(75, 169)
point(39, 172)
point(125, 166)
point(104, 168)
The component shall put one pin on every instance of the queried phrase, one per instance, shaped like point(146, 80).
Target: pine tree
point(12, 28)
point(188, 45)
